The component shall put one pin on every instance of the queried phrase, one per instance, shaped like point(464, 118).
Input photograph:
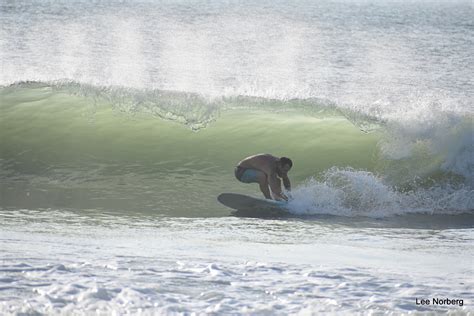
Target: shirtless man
point(266, 170)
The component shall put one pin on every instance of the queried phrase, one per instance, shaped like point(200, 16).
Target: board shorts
point(246, 175)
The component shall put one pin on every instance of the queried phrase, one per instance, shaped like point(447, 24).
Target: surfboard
point(249, 206)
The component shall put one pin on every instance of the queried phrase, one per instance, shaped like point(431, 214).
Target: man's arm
point(275, 185)
point(286, 182)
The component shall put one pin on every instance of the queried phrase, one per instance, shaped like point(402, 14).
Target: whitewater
point(122, 121)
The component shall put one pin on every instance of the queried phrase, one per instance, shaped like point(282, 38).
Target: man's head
point(284, 165)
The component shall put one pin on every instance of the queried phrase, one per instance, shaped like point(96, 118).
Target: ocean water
point(121, 122)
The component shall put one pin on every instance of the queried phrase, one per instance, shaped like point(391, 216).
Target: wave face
point(148, 106)
point(79, 146)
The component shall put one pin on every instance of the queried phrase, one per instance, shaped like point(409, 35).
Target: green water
point(62, 149)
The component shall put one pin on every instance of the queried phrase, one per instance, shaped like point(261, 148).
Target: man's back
point(263, 162)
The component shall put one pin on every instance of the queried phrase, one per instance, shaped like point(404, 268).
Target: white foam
point(349, 192)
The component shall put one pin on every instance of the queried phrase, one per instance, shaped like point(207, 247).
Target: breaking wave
point(116, 141)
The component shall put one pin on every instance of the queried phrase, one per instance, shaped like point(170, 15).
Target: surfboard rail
point(240, 202)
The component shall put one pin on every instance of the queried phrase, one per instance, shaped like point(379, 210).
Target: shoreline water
point(181, 265)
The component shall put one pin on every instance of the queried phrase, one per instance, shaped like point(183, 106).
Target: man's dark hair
point(286, 161)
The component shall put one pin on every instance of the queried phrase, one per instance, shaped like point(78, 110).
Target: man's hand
point(282, 197)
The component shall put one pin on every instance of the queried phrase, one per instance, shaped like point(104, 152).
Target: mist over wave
point(279, 51)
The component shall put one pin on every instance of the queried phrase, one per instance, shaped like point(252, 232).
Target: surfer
point(266, 170)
